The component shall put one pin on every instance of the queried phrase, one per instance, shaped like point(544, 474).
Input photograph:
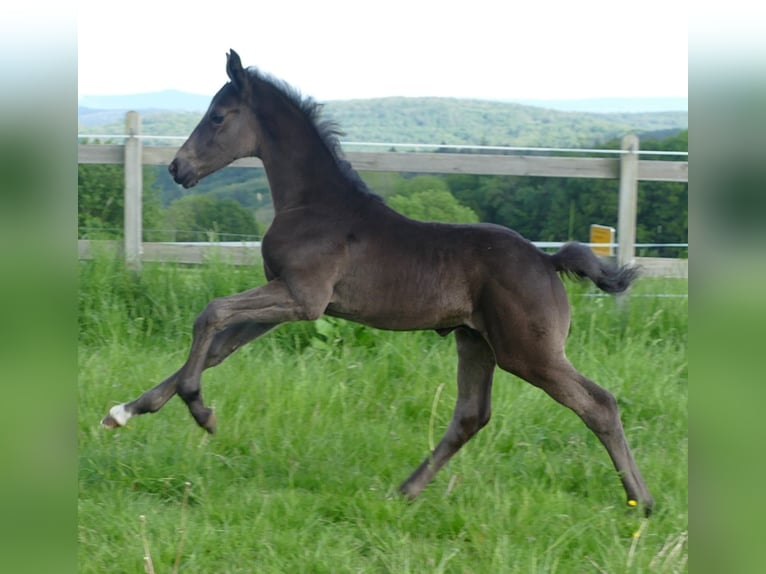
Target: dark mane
point(327, 129)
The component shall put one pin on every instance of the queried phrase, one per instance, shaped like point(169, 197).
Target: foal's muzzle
point(183, 173)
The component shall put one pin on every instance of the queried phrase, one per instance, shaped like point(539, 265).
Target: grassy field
point(319, 422)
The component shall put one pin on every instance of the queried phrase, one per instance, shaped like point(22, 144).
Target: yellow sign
point(602, 234)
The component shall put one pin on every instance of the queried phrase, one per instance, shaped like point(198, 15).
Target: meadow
point(319, 422)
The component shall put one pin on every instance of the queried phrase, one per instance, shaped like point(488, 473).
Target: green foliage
point(247, 186)
point(313, 440)
point(433, 205)
point(412, 185)
point(158, 303)
point(101, 201)
point(223, 204)
point(202, 217)
point(427, 198)
point(663, 208)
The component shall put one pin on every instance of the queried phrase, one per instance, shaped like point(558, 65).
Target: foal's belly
point(402, 306)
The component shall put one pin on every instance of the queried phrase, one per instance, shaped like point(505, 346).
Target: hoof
point(117, 417)
point(210, 424)
point(110, 422)
point(408, 492)
point(645, 507)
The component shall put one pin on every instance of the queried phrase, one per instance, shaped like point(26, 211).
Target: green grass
point(318, 424)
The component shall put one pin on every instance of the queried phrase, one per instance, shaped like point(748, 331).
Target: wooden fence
point(627, 167)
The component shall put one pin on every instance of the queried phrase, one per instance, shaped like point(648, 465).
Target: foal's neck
point(300, 163)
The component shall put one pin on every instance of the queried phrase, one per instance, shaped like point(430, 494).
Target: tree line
point(559, 209)
point(234, 204)
point(453, 121)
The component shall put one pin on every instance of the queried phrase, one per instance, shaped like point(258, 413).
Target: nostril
point(173, 168)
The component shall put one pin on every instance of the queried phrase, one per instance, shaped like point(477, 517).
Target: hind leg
point(476, 364)
point(527, 325)
point(598, 409)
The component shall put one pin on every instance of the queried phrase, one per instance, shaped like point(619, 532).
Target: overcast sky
point(338, 49)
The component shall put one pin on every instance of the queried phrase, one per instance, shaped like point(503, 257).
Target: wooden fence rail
point(628, 168)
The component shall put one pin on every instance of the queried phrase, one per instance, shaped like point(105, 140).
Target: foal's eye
point(216, 119)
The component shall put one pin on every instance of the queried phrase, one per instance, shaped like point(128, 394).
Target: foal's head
point(225, 133)
point(257, 115)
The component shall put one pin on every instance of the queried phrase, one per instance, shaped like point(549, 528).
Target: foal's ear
point(234, 70)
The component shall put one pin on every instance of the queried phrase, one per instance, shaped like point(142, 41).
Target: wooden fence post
point(626, 216)
point(133, 191)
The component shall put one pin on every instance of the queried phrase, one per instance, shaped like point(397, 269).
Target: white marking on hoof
point(118, 416)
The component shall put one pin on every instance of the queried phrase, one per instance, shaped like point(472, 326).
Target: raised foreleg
point(224, 344)
point(225, 324)
point(271, 304)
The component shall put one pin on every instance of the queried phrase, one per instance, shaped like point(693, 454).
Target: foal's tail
point(577, 260)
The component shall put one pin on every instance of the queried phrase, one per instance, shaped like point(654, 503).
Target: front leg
point(224, 344)
point(226, 324)
point(269, 305)
point(149, 402)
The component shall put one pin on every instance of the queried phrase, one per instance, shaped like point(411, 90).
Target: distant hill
point(87, 117)
point(448, 121)
point(479, 122)
point(173, 100)
point(612, 105)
